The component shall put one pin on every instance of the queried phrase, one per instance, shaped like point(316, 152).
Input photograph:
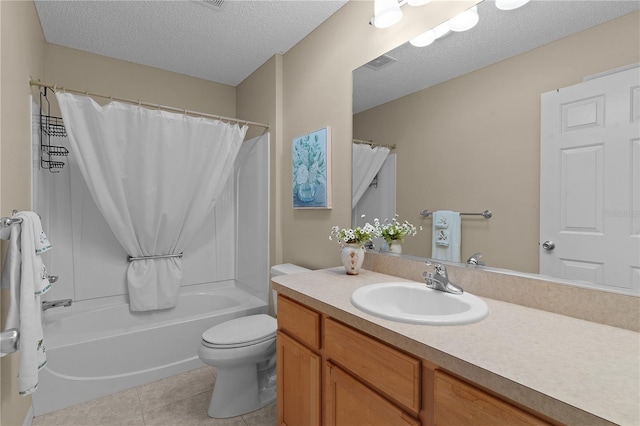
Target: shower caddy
point(50, 126)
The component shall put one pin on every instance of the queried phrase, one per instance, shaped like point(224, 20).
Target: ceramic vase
point(352, 258)
point(395, 247)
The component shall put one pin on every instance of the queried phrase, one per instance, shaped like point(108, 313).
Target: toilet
point(244, 352)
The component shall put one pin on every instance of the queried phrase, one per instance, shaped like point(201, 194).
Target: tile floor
point(178, 400)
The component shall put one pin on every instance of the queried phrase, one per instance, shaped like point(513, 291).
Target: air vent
point(380, 62)
point(214, 4)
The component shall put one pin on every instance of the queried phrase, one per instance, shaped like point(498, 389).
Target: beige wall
point(87, 71)
point(21, 56)
point(472, 143)
point(259, 99)
point(318, 92)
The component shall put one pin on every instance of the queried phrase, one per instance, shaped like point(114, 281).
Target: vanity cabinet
point(298, 364)
point(387, 370)
point(459, 403)
point(332, 374)
point(348, 401)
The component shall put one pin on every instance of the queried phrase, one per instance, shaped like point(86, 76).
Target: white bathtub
point(95, 350)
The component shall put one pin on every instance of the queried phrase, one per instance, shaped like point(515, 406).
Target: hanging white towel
point(5, 233)
point(27, 279)
point(11, 274)
point(446, 236)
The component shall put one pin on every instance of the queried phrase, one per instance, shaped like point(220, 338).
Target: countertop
point(575, 371)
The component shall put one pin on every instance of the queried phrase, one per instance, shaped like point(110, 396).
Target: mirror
point(464, 114)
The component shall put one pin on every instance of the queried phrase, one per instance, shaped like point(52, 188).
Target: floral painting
point(311, 171)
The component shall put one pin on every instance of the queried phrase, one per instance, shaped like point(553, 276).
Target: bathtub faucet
point(56, 304)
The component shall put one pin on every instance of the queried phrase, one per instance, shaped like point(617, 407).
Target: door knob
point(548, 245)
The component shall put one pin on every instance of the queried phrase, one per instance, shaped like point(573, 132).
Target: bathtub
point(95, 350)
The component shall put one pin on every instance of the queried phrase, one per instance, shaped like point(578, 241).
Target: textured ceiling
point(499, 35)
point(224, 45)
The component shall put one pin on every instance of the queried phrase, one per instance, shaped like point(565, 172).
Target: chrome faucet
point(439, 279)
point(56, 304)
point(475, 259)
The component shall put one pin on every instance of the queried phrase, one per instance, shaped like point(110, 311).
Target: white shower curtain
point(366, 161)
point(155, 176)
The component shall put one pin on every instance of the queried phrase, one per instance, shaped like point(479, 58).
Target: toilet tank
point(284, 269)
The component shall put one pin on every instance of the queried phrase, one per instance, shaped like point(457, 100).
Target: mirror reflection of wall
point(472, 142)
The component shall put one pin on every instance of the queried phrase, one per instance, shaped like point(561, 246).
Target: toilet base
point(236, 393)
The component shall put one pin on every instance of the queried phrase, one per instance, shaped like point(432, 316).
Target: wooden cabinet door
point(299, 322)
point(348, 402)
point(391, 372)
point(458, 403)
point(298, 383)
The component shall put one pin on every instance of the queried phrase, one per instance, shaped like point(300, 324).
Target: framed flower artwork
point(311, 172)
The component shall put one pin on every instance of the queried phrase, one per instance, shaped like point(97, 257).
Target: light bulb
point(424, 39)
point(510, 4)
point(418, 2)
point(442, 30)
point(464, 21)
point(386, 13)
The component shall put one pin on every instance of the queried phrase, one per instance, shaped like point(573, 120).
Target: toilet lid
point(243, 331)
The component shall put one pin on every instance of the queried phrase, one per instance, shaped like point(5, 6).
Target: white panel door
point(590, 182)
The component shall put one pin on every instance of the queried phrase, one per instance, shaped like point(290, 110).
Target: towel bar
point(9, 341)
point(486, 214)
point(6, 222)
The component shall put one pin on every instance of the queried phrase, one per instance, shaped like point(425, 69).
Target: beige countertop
point(576, 371)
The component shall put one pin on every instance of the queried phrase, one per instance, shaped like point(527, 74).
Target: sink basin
point(415, 303)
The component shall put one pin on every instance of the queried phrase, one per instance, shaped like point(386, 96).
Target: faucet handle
point(475, 259)
point(436, 268)
point(440, 269)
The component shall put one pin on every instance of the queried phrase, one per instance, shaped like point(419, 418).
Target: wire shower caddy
point(50, 126)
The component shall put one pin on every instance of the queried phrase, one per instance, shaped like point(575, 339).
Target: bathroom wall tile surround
point(613, 309)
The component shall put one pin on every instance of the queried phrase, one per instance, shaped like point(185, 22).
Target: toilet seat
point(241, 332)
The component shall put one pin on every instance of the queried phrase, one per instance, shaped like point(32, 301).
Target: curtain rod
point(390, 146)
point(147, 104)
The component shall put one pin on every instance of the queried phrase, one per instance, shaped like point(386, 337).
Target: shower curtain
point(155, 177)
point(366, 161)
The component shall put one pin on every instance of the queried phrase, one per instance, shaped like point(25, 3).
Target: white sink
point(415, 303)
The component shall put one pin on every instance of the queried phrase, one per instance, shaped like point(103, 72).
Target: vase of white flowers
point(395, 246)
point(351, 241)
point(394, 232)
point(352, 256)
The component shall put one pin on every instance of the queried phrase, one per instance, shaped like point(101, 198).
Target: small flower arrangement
point(394, 230)
point(358, 235)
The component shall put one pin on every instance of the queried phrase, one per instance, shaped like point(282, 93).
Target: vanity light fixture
point(424, 39)
point(386, 13)
point(464, 21)
point(510, 4)
point(442, 30)
point(428, 37)
point(418, 2)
